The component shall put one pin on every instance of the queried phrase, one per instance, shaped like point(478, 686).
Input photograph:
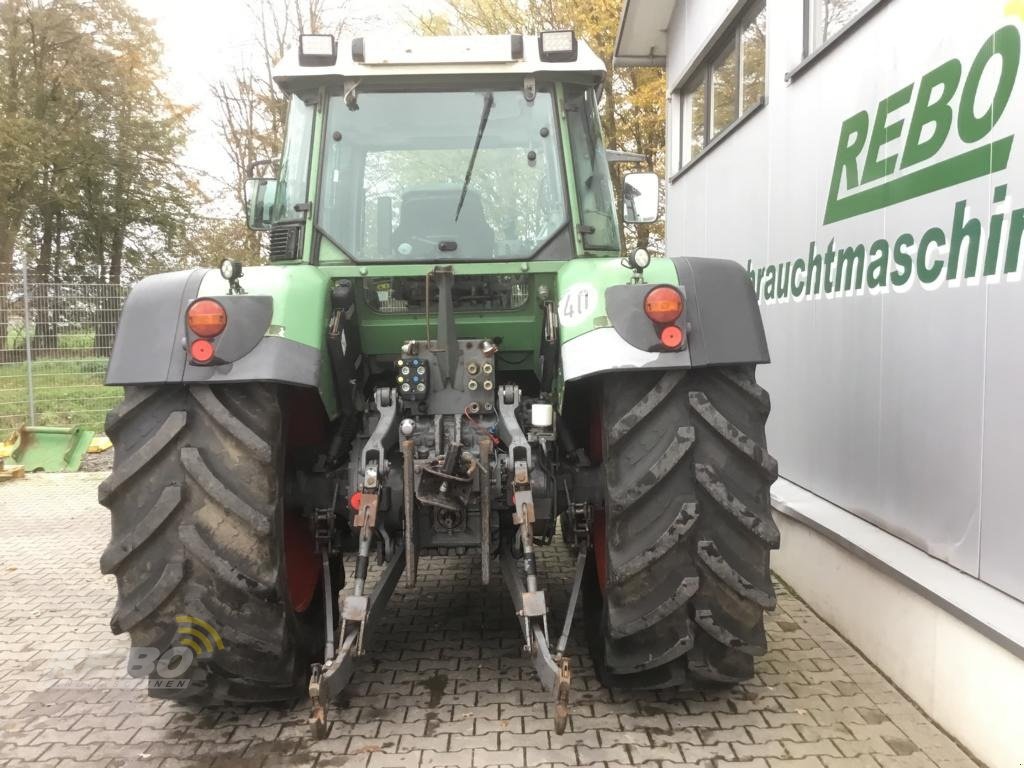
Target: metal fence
point(55, 341)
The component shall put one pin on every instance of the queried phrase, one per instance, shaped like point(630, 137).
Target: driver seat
point(427, 217)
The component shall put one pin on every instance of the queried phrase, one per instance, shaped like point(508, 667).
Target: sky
point(204, 40)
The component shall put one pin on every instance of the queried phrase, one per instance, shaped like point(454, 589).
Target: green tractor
point(448, 353)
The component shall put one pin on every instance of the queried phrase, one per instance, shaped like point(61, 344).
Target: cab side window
point(596, 199)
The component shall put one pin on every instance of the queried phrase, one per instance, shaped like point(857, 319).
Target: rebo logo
point(945, 96)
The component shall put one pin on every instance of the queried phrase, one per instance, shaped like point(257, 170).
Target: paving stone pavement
point(445, 684)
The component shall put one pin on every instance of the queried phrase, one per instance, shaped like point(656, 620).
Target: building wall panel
point(899, 403)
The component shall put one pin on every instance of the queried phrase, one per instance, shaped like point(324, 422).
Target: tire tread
point(195, 517)
point(689, 529)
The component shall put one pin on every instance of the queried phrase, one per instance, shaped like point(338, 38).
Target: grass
point(76, 340)
point(66, 392)
point(69, 340)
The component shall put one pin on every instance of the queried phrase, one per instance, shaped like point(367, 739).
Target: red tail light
point(663, 304)
point(671, 336)
point(201, 351)
point(206, 318)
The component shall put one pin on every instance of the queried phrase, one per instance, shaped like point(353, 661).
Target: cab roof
point(388, 56)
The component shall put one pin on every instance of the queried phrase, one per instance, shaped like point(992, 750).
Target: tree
point(88, 143)
point(225, 237)
point(90, 185)
point(252, 108)
point(633, 108)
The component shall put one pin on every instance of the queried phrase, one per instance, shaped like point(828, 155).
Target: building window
point(694, 123)
point(827, 18)
point(728, 85)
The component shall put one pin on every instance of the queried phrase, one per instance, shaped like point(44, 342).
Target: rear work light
point(317, 50)
point(558, 45)
point(663, 304)
point(206, 318)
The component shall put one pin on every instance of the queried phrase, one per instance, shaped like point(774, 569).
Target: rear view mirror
point(259, 201)
point(640, 198)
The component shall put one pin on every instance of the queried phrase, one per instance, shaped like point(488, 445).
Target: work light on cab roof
point(554, 45)
point(558, 45)
point(388, 55)
point(317, 50)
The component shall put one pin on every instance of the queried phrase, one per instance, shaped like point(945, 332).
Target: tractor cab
point(440, 150)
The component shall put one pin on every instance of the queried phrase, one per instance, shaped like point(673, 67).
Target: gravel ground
point(98, 462)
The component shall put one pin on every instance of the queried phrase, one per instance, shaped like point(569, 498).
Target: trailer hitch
point(358, 611)
point(330, 678)
point(553, 670)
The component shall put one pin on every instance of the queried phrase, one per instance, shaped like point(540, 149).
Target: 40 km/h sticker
point(577, 304)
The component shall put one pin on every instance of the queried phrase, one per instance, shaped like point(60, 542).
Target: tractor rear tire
point(199, 538)
point(679, 579)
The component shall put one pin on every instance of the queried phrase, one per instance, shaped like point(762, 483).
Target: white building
point(861, 159)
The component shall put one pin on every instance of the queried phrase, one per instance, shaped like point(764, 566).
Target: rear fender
point(275, 330)
point(603, 328)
